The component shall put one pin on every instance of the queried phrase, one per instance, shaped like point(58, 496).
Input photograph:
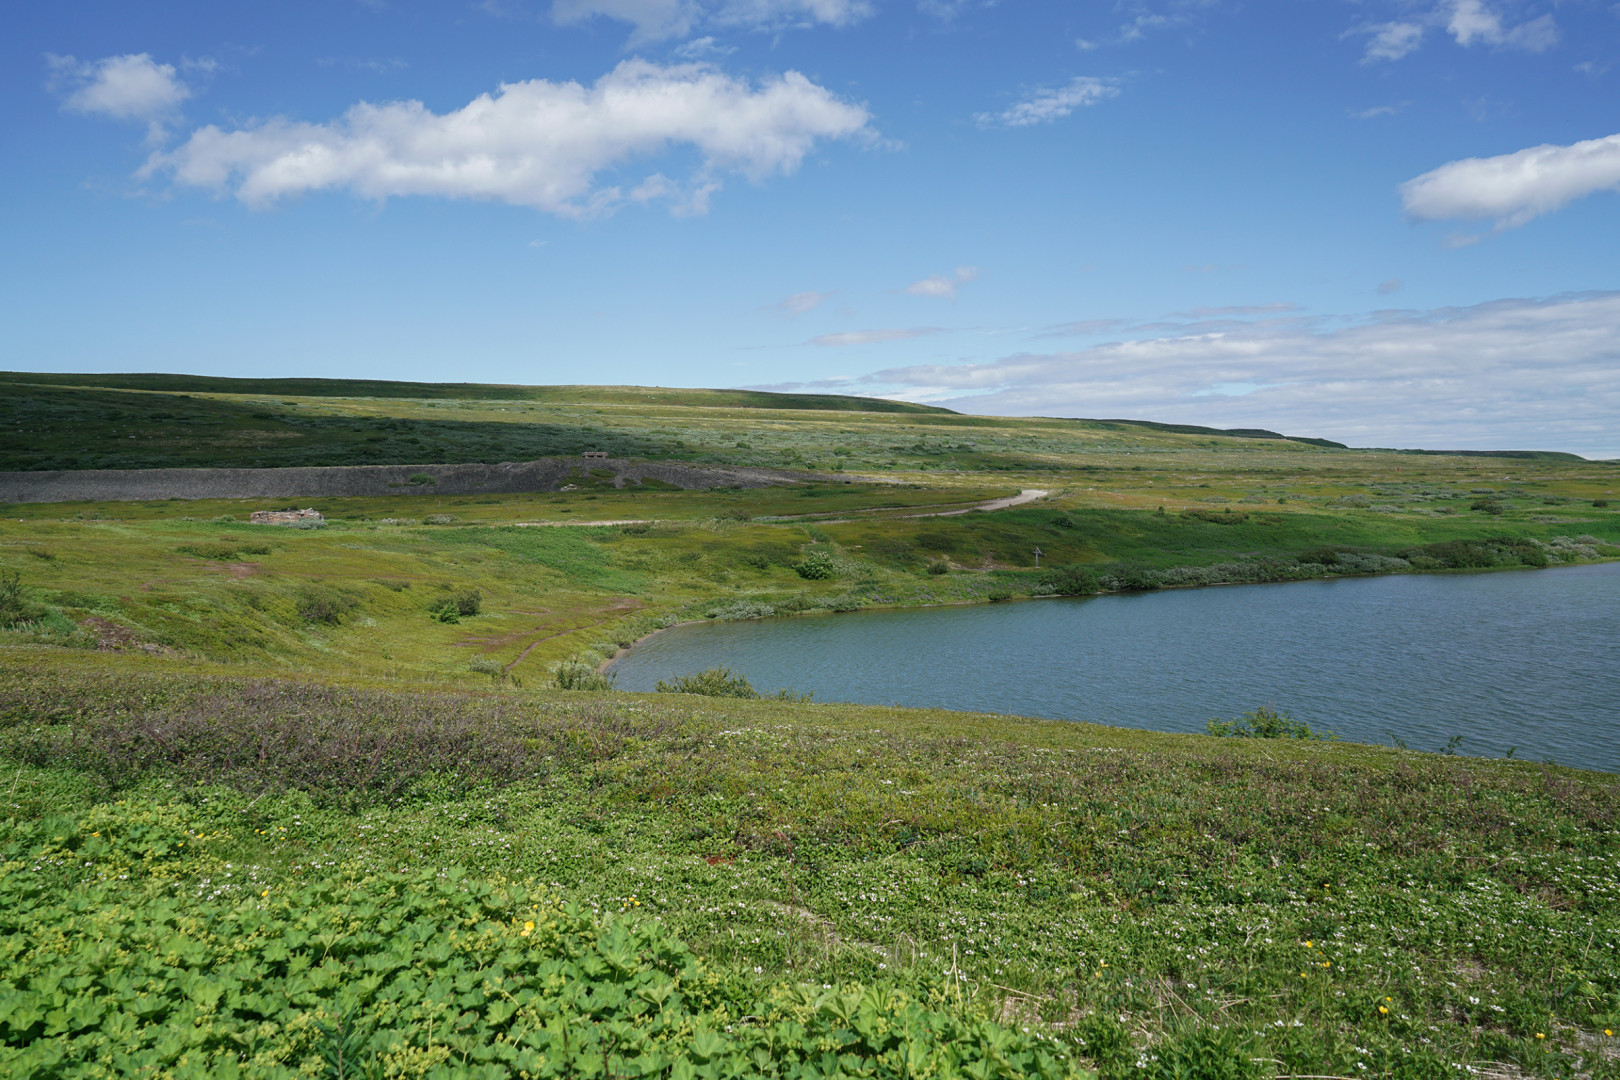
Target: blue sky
point(1390, 222)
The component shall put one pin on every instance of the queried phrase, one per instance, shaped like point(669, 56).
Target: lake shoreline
point(606, 666)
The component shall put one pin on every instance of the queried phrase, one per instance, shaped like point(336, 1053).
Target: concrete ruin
point(286, 517)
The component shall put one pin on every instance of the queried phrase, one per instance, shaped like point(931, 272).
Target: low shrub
point(578, 675)
point(1069, 581)
point(431, 972)
point(816, 566)
point(712, 682)
point(1263, 723)
point(938, 567)
point(847, 602)
point(454, 608)
point(486, 665)
point(15, 607)
point(325, 605)
point(741, 609)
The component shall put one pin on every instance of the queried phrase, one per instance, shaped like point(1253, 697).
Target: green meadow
point(310, 802)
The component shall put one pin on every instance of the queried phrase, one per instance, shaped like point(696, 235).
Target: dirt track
point(546, 474)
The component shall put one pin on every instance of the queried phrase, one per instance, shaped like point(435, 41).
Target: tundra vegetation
point(358, 800)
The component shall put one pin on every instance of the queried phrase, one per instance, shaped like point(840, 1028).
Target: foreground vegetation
point(355, 800)
point(203, 869)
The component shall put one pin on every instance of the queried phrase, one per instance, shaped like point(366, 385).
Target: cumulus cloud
point(657, 19)
point(873, 337)
point(536, 143)
point(944, 286)
point(1531, 374)
point(801, 302)
point(128, 87)
point(1514, 188)
point(1045, 106)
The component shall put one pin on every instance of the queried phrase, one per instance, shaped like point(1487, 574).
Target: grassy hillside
point(1148, 905)
point(330, 767)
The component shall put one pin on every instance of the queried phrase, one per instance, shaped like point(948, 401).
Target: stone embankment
point(507, 478)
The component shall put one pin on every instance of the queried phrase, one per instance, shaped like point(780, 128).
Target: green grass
point(753, 885)
point(1133, 896)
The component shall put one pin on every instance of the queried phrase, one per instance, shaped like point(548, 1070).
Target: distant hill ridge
point(583, 394)
point(378, 388)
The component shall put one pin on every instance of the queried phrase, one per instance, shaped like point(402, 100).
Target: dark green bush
point(817, 566)
point(321, 604)
point(1262, 723)
point(713, 682)
point(1069, 580)
point(939, 566)
point(454, 608)
point(1489, 506)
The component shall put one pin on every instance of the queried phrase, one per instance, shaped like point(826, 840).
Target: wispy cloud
point(1473, 21)
point(801, 302)
point(1514, 188)
point(535, 143)
point(1392, 285)
point(1084, 328)
point(1053, 103)
point(1276, 308)
point(1469, 22)
point(655, 20)
point(1507, 374)
point(944, 286)
point(873, 337)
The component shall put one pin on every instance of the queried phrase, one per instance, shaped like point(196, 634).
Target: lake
point(1524, 659)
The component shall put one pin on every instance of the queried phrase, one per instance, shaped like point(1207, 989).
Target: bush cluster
point(816, 566)
point(1263, 723)
point(578, 675)
point(457, 606)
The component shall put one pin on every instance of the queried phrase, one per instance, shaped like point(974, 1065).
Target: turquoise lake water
point(1526, 659)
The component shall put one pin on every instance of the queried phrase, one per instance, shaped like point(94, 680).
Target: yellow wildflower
point(1384, 1009)
point(528, 928)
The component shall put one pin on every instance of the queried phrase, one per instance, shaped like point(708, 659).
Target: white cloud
point(1392, 40)
point(1388, 286)
point(801, 302)
point(942, 286)
point(1473, 21)
point(1514, 188)
point(535, 143)
point(873, 337)
point(1511, 374)
point(129, 87)
point(657, 19)
point(1045, 106)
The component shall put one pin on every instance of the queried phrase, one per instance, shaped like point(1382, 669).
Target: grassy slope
point(1139, 894)
point(1011, 860)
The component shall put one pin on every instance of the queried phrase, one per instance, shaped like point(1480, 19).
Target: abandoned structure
point(285, 517)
